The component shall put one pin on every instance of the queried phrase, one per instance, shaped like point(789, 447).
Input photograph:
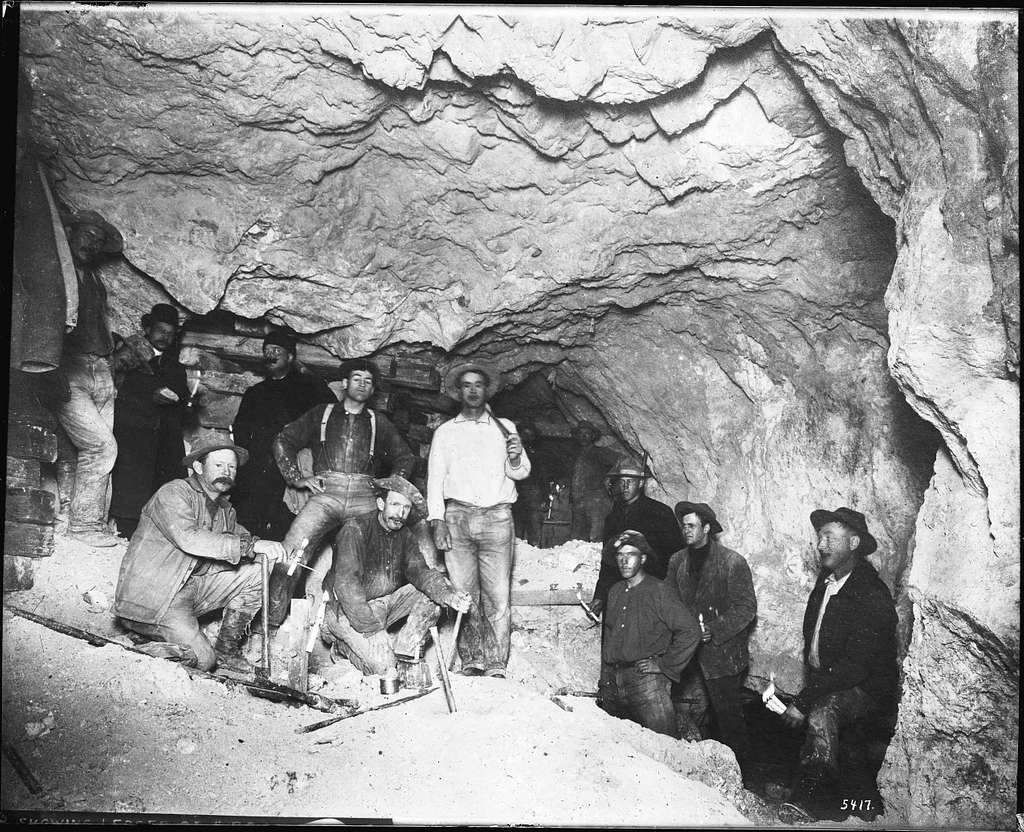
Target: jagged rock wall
point(514, 185)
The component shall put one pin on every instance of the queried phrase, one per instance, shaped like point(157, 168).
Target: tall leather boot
point(233, 632)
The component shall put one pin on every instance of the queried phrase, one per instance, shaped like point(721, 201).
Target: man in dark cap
point(851, 668)
point(149, 415)
point(648, 640)
point(379, 577)
point(266, 408)
point(87, 415)
point(189, 557)
point(634, 510)
point(351, 443)
point(590, 500)
point(715, 583)
point(475, 461)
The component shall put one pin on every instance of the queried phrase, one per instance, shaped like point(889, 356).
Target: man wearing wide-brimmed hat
point(87, 414)
point(149, 415)
point(475, 461)
point(282, 397)
point(590, 500)
point(715, 583)
point(634, 510)
point(190, 557)
point(351, 444)
point(378, 578)
point(850, 657)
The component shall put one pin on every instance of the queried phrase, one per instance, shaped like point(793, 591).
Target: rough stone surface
point(767, 251)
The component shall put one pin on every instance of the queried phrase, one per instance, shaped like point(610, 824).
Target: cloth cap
point(214, 442)
point(406, 489)
point(451, 379)
point(113, 242)
point(281, 339)
point(851, 519)
point(633, 538)
point(627, 467)
point(161, 313)
point(702, 510)
point(585, 425)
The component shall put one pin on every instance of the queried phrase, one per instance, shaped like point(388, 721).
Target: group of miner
point(676, 605)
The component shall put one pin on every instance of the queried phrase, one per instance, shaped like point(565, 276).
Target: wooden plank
point(29, 540)
point(30, 441)
point(544, 597)
point(27, 472)
point(19, 573)
point(30, 505)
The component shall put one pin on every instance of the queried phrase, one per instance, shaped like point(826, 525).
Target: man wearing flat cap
point(475, 461)
point(633, 510)
point(265, 409)
point(715, 583)
point(850, 660)
point(149, 415)
point(87, 415)
point(189, 557)
point(379, 577)
point(351, 443)
point(590, 500)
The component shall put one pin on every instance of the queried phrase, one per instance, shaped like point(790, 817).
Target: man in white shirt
point(475, 460)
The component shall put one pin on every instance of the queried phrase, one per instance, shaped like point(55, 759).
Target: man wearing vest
point(350, 442)
point(475, 461)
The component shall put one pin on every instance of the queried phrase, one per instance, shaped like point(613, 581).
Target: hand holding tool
point(770, 700)
point(590, 613)
point(296, 555)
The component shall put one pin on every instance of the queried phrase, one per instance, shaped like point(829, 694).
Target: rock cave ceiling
point(774, 253)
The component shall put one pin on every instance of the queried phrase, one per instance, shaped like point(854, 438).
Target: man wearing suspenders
point(349, 442)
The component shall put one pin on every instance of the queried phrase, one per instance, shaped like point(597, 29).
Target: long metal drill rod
point(316, 726)
point(265, 613)
point(446, 682)
point(455, 639)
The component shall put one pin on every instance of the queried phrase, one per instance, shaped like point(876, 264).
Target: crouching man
point(379, 577)
point(648, 639)
point(188, 557)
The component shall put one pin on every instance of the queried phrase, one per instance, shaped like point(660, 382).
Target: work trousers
point(374, 653)
point(221, 586)
point(528, 518)
point(698, 697)
point(640, 697)
point(828, 716)
point(480, 563)
point(588, 515)
point(88, 420)
point(345, 496)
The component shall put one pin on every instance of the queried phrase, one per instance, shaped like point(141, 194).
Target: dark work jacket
point(267, 407)
point(150, 436)
point(655, 521)
point(857, 640)
point(723, 592)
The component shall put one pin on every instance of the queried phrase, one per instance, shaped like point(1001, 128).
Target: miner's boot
point(233, 631)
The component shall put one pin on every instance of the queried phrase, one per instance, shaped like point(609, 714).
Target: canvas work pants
point(374, 653)
point(88, 420)
point(220, 587)
point(480, 563)
point(640, 697)
point(697, 698)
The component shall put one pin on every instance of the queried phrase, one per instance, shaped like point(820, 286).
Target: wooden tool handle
point(446, 682)
point(455, 639)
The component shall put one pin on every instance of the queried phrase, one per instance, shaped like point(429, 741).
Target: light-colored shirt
point(468, 462)
point(832, 586)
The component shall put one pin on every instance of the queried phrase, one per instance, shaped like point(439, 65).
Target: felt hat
point(451, 378)
point(406, 489)
point(279, 338)
point(113, 242)
point(627, 467)
point(702, 510)
point(161, 313)
point(214, 442)
point(585, 425)
point(851, 519)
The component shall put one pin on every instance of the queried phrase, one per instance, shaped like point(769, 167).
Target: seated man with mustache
point(189, 557)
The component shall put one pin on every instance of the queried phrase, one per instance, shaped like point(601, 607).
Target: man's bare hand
point(314, 484)
point(514, 448)
point(647, 666)
point(460, 601)
point(793, 717)
point(596, 606)
point(165, 395)
point(270, 549)
point(442, 537)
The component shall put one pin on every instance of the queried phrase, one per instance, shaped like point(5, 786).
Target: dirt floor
point(104, 730)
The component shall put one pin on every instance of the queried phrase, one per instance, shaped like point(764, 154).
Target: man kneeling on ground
point(189, 557)
point(379, 577)
point(648, 639)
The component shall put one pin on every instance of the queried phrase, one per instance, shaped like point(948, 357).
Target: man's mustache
point(225, 480)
